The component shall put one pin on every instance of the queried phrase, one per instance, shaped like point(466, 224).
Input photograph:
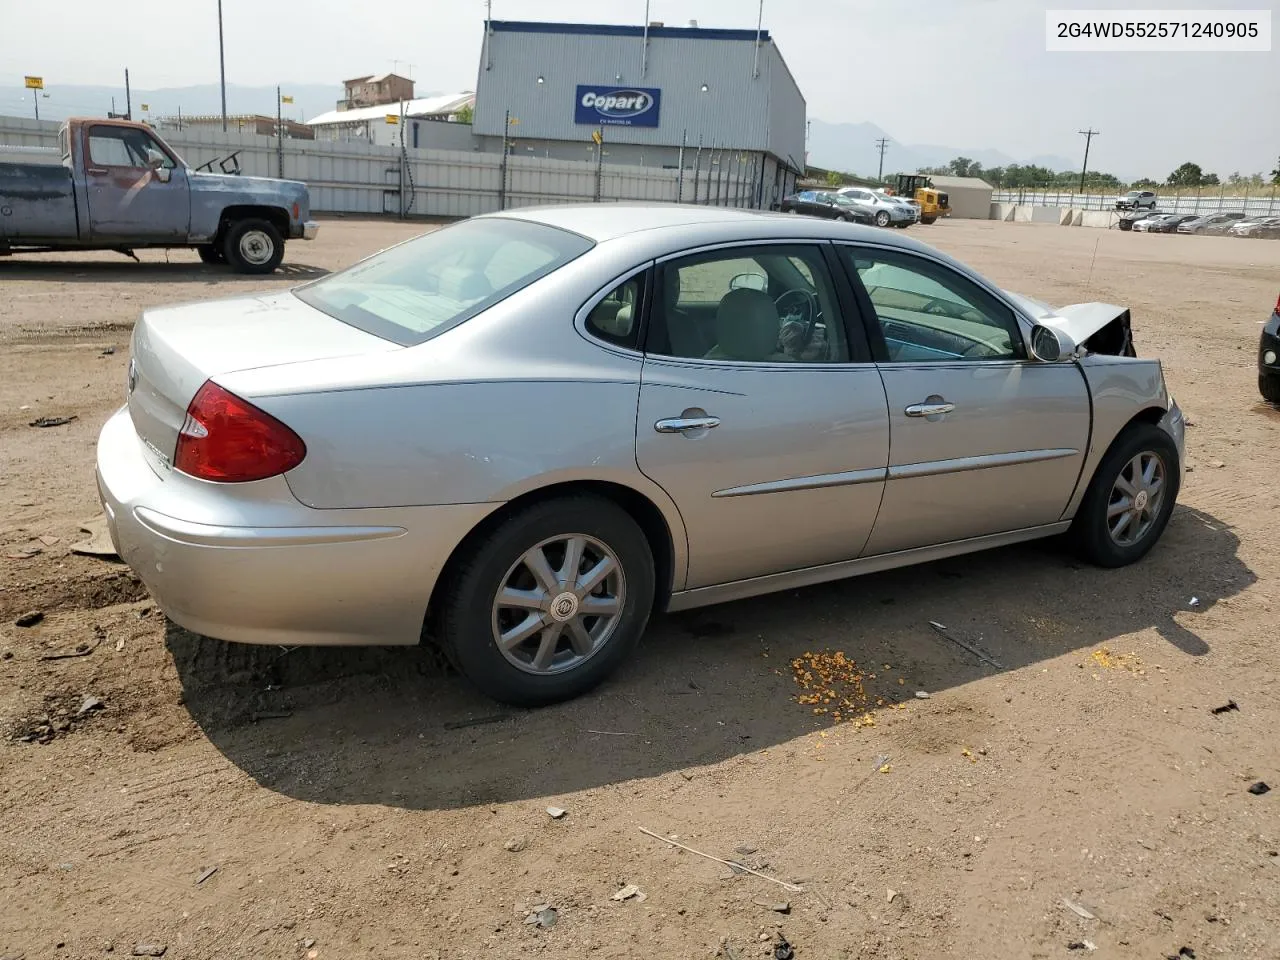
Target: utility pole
point(128, 97)
point(279, 135)
point(35, 99)
point(1088, 138)
point(882, 145)
point(222, 69)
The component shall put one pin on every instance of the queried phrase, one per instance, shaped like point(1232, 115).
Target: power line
point(1088, 139)
point(882, 145)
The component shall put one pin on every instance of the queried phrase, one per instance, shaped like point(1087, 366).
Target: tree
point(465, 113)
point(1275, 174)
point(963, 167)
point(1144, 183)
point(1210, 180)
point(834, 179)
point(1187, 175)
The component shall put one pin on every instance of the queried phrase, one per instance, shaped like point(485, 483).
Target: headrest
point(747, 325)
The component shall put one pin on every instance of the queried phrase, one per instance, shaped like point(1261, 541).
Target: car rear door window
point(759, 304)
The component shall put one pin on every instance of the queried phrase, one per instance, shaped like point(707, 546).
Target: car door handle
point(681, 424)
point(929, 408)
point(97, 170)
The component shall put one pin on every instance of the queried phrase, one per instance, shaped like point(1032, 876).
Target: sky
point(964, 72)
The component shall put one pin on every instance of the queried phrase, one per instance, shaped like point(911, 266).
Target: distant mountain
point(309, 100)
point(851, 147)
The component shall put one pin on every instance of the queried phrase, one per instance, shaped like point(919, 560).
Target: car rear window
point(416, 290)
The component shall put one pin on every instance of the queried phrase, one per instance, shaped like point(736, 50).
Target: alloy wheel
point(1136, 498)
point(558, 604)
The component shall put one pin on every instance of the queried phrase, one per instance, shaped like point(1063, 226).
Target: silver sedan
point(521, 435)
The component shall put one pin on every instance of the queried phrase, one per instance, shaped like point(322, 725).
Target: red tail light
point(229, 440)
point(1278, 304)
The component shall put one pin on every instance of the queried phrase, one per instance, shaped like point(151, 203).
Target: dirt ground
point(366, 803)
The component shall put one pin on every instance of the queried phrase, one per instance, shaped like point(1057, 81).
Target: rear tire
point(1120, 489)
point(581, 649)
point(882, 218)
point(927, 220)
point(1269, 387)
point(253, 246)
point(210, 253)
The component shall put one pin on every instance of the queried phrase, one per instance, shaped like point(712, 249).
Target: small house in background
point(968, 197)
point(375, 90)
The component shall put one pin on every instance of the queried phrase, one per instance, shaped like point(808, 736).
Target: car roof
point(608, 221)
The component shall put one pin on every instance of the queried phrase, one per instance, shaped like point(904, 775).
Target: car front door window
point(125, 147)
point(925, 311)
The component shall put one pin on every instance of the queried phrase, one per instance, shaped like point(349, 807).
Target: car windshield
point(416, 290)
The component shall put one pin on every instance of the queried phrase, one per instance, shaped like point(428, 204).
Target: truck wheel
point(253, 246)
point(209, 253)
point(927, 220)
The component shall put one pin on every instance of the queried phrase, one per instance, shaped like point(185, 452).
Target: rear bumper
point(310, 229)
point(249, 563)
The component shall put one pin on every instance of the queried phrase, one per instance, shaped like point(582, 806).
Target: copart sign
point(617, 106)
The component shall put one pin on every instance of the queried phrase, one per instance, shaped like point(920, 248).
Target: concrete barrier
point(1046, 215)
point(1003, 211)
point(1068, 217)
point(1102, 219)
point(1022, 213)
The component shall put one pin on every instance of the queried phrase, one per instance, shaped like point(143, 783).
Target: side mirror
point(749, 281)
point(1050, 346)
point(162, 173)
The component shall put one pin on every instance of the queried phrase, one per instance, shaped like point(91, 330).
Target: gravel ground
point(365, 802)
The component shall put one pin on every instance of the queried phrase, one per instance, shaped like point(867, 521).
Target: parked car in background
point(1128, 219)
point(887, 211)
point(273, 478)
point(1137, 200)
point(1169, 223)
point(830, 206)
point(1155, 222)
point(1261, 228)
point(1205, 223)
point(912, 206)
point(1224, 227)
point(120, 187)
point(1269, 358)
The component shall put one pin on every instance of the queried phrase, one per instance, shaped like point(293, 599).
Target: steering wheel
point(808, 308)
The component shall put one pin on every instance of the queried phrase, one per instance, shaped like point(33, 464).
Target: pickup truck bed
point(41, 202)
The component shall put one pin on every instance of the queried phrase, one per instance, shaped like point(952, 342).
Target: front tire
point(1130, 498)
point(253, 246)
point(927, 220)
point(882, 218)
point(210, 253)
point(1269, 387)
point(547, 605)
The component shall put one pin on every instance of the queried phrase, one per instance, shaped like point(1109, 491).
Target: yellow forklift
point(933, 203)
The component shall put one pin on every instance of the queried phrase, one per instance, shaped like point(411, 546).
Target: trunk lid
point(176, 349)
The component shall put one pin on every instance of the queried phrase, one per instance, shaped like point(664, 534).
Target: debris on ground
point(107, 352)
point(48, 539)
point(630, 892)
point(1082, 945)
point(1225, 708)
point(475, 722)
point(963, 645)
point(149, 949)
point(782, 950)
point(832, 684)
point(732, 864)
point(922, 695)
point(26, 554)
point(29, 619)
point(90, 704)
point(99, 543)
point(308, 943)
point(556, 813)
point(543, 916)
point(1078, 910)
point(1259, 788)
point(52, 421)
point(270, 715)
point(1194, 602)
point(777, 906)
point(890, 895)
point(81, 650)
point(1186, 953)
point(1104, 658)
point(745, 849)
point(515, 845)
point(205, 874)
